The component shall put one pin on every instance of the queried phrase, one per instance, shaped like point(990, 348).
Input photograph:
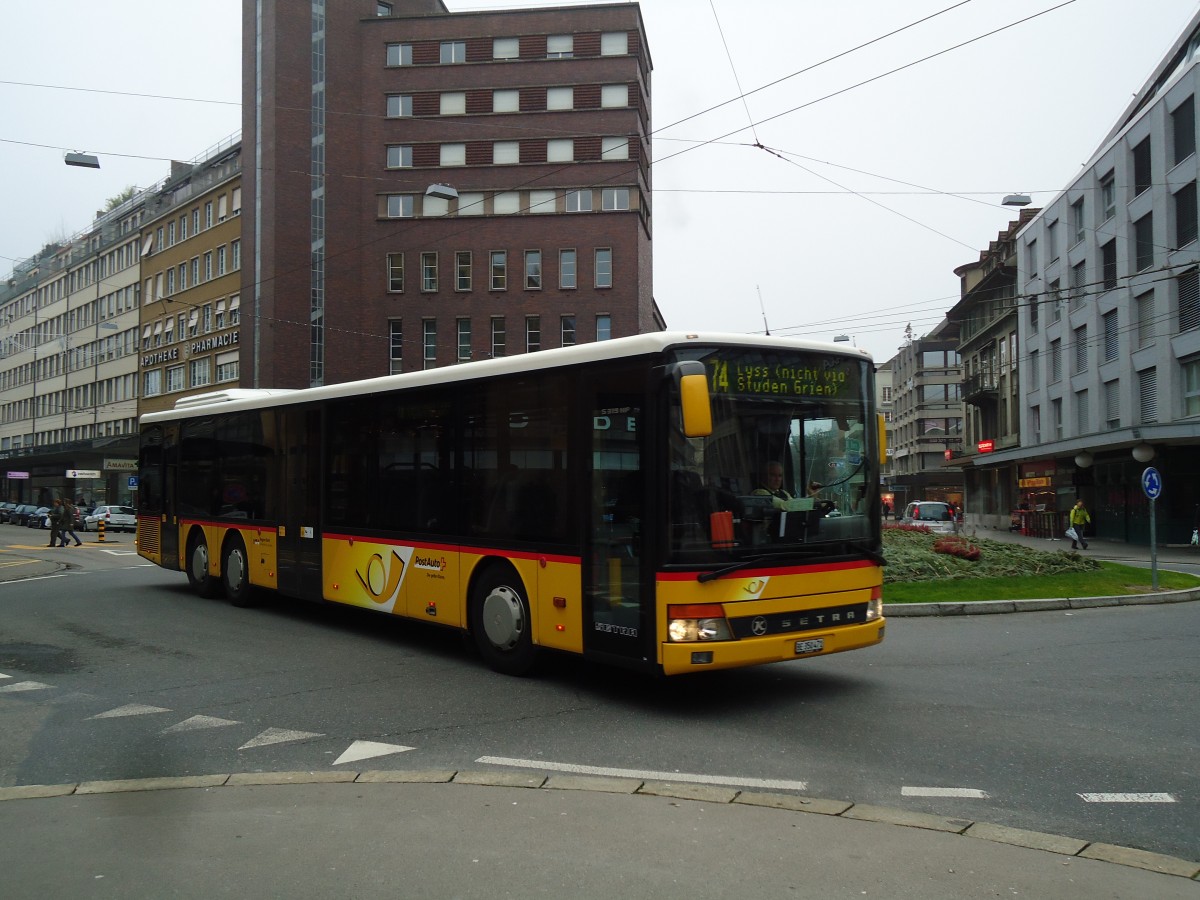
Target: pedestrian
point(887, 510)
point(55, 517)
point(67, 528)
point(1078, 519)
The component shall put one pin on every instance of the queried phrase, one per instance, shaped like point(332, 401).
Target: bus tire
point(235, 573)
point(197, 566)
point(501, 624)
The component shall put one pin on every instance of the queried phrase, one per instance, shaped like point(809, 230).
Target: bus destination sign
point(759, 377)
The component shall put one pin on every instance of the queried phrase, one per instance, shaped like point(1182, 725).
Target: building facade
point(430, 187)
point(191, 260)
point(1109, 275)
point(927, 419)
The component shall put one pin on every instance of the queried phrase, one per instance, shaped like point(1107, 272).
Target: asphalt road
point(1079, 723)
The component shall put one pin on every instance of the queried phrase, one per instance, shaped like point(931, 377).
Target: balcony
point(980, 389)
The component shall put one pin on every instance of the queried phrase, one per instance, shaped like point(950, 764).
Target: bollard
point(100, 530)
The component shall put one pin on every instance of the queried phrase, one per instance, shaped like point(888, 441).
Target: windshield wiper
point(705, 577)
point(870, 554)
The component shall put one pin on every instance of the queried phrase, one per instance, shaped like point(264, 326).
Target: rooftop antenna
point(761, 306)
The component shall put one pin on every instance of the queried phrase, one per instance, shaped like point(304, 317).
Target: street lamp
point(1143, 453)
point(441, 192)
point(1017, 200)
point(83, 160)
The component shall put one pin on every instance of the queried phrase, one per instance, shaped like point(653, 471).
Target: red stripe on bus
point(455, 548)
point(783, 570)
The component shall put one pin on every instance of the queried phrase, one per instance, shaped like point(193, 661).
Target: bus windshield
point(790, 460)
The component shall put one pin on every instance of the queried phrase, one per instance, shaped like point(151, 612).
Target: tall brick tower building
point(425, 187)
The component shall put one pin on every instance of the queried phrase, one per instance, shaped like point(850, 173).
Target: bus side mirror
point(881, 425)
point(697, 410)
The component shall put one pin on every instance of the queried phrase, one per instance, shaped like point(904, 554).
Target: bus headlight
point(701, 622)
point(875, 605)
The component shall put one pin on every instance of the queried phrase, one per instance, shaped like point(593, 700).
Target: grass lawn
point(1111, 579)
point(984, 569)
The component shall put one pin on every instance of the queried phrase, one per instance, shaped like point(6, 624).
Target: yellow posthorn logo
point(382, 581)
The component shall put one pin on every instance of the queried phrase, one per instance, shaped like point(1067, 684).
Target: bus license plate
point(816, 645)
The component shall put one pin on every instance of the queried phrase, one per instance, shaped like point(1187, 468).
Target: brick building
point(533, 126)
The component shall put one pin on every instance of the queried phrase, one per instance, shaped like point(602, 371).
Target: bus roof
point(598, 351)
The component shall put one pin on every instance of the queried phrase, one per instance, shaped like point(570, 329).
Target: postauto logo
point(431, 563)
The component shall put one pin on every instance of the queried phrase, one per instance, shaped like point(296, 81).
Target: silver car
point(938, 517)
point(115, 518)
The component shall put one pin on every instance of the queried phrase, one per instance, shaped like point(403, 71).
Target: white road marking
point(368, 750)
point(278, 736)
point(196, 722)
point(969, 793)
point(645, 774)
point(1128, 798)
point(25, 686)
point(3, 676)
point(132, 709)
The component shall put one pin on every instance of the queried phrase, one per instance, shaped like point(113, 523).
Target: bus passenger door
point(299, 538)
point(618, 619)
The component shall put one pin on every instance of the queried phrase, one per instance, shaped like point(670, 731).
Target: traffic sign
point(1152, 483)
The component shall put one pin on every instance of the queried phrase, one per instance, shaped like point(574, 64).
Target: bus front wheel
point(235, 574)
point(197, 568)
point(500, 623)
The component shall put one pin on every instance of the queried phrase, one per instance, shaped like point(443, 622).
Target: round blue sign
point(1152, 483)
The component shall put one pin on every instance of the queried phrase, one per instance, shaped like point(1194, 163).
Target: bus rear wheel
point(235, 574)
point(197, 568)
point(500, 623)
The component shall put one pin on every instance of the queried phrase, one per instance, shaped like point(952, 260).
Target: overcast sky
point(827, 224)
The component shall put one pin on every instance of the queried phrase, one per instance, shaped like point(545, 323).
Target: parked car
point(20, 515)
point(116, 518)
point(6, 510)
point(39, 518)
point(938, 517)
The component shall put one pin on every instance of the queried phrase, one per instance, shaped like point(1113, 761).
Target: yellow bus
point(610, 500)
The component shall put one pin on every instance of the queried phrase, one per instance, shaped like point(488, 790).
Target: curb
point(992, 607)
point(789, 803)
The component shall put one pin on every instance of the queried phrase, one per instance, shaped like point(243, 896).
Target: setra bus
point(607, 499)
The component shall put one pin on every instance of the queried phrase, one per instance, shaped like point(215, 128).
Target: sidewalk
point(518, 834)
point(1117, 551)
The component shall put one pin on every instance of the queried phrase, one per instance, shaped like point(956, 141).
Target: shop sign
point(120, 465)
point(18, 475)
point(83, 473)
point(986, 446)
point(1033, 482)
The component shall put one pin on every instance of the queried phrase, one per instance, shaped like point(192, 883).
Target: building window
point(560, 98)
point(463, 328)
point(399, 156)
point(208, 268)
point(174, 378)
point(429, 343)
point(578, 201)
point(506, 203)
point(615, 147)
point(615, 198)
point(1031, 258)
point(1111, 338)
point(604, 267)
point(502, 48)
point(429, 271)
point(383, 9)
point(1078, 280)
point(200, 372)
point(399, 206)
point(208, 214)
point(453, 52)
point(498, 339)
point(1144, 310)
point(560, 150)
point(462, 270)
point(560, 46)
point(1055, 361)
point(1148, 396)
point(533, 270)
point(1183, 131)
point(1188, 293)
point(1185, 215)
point(614, 43)
point(235, 252)
point(183, 232)
point(1052, 241)
point(395, 273)
point(542, 201)
point(1055, 301)
point(1142, 171)
point(1190, 383)
point(1034, 304)
point(1056, 415)
point(452, 103)
point(1108, 264)
point(399, 54)
point(228, 367)
point(395, 346)
point(218, 319)
point(1143, 243)
point(453, 155)
point(567, 270)
point(152, 383)
point(1077, 224)
point(498, 270)
point(235, 311)
point(614, 96)
point(603, 327)
point(506, 100)
point(221, 260)
point(567, 324)
point(1081, 348)
point(195, 221)
point(1108, 196)
point(470, 203)
point(533, 334)
point(1035, 423)
point(195, 270)
point(506, 153)
point(1082, 426)
point(399, 105)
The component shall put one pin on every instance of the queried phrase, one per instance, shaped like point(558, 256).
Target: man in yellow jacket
point(1079, 519)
